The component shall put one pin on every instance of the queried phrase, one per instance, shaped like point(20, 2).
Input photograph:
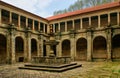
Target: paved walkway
point(88, 70)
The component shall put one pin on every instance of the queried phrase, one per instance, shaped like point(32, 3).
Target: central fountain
point(51, 62)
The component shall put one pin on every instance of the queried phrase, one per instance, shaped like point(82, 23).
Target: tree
point(80, 4)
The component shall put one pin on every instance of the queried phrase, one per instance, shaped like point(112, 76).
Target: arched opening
point(33, 47)
point(116, 47)
point(99, 49)
point(19, 49)
point(3, 52)
point(81, 47)
point(66, 48)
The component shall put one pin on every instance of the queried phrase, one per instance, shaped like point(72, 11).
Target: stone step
point(52, 69)
point(49, 66)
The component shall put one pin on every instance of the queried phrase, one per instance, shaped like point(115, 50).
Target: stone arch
point(81, 49)
point(66, 47)
point(33, 47)
point(19, 49)
point(3, 50)
point(116, 47)
point(99, 48)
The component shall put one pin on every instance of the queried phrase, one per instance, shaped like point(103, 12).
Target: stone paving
point(88, 70)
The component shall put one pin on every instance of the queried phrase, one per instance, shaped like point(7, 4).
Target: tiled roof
point(91, 9)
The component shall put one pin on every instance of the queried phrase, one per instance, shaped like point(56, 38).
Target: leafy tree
point(80, 4)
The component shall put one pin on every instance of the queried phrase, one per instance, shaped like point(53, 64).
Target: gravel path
point(88, 70)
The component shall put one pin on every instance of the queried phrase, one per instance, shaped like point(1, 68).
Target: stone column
point(48, 28)
point(89, 44)
point(89, 21)
point(118, 18)
point(59, 49)
point(44, 28)
point(38, 48)
point(109, 40)
point(41, 46)
point(58, 26)
point(65, 26)
point(26, 23)
point(12, 50)
point(47, 50)
point(53, 28)
point(98, 21)
point(11, 44)
point(0, 16)
point(28, 46)
point(33, 25)
point(108, 19)
point(81, 23)
point(8, 48)
point(73, 46)
point(73, 24)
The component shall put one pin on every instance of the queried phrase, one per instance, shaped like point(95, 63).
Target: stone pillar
point(0, 16)
point(89, 21)
point(53, 28)
point(8, 48)
point(33, 25)
point(81, 23)
point(58, 26)
point(48, 30)
point(47, 50)
point(108, 19)
point(26, 23)
point(59, 49)
point(73, 46)
point(99, 21)
point(12, 50)
point(28, 46)
point(89, 44)
point(38, 48)
point(118, 18)
point(41, 46)
point(44, 28)
point(65, 26)
point(11, 44)
point(109, 40)
point(73, 24)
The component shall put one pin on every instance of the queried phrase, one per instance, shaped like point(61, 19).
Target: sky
point(43, 8)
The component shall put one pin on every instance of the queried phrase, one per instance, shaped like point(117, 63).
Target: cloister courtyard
point(90, 37)
point(88, 70)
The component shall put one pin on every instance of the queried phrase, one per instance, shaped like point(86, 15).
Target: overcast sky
point(43, 8)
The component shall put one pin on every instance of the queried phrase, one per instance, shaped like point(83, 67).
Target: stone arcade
point(91, 34)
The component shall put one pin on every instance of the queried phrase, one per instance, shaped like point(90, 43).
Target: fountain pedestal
point(51, 62)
